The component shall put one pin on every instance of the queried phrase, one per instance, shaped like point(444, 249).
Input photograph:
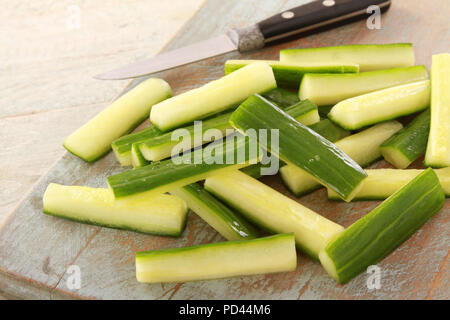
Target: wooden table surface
point(47, 63)
point(41, 108)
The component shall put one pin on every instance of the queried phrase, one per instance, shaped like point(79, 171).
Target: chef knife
point(305, 18)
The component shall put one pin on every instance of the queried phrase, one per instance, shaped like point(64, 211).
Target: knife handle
point(305, 18)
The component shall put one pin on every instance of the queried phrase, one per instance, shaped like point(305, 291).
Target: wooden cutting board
point(36, 250)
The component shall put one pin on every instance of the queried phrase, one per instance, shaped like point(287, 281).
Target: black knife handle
point(314, 15)
point(307, 18)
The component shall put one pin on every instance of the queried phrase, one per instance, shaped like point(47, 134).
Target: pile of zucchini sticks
point(322, 114)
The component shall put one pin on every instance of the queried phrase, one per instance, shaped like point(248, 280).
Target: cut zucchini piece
point(230, 225)
point(438, 149)
point(368, 56)
point(374, 236)
point(407, 145)
point(137, 159)
point(290, 75)
point(382, 105)
point(218, 260)
point(363, 147)
point(329, 130)
point(382, 183)
point(282, 97)
point(161, 215)
point(213, 97)
point(160, 147)
point(234, 152)
point(300, 146)
point(273, 211)
point(122, 146)
point(344, 86)
point(325, 128)
point(304, 112)
point(93, 140)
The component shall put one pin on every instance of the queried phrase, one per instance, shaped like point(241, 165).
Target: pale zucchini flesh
point(300, 146)
point(340, 87)
point(161, 215)
point(369, 57)
point(377, 234)
point(93, 140)
point(382, 105)
point(438, 149)
point(382, 183)
point(234, 152)
point(137, 159)
point(218, 260)
point(230, 225)
point(407, 145)
point(363, 147)
point(214, 97)
point(289, 75)
point(273, 211)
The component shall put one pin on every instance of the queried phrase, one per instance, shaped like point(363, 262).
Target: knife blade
point(309, 17)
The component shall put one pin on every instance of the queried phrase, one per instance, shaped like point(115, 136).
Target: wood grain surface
point(47, 63)
point(36, 250)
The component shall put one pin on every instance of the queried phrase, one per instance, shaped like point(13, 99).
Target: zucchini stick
point(235, 152)
point(93, 140)
point(161, 146)
point(161, 215)
point(273, 211)
point(230, 225)
point(300, 146)
point(214, 97)
point(299, 182)
point(438, 148)
point(382, 183)
point(344, 86)
point(325, 128)
point(122, 146)
point(382, 105)
point(368, 56)
point(218, 260)
point(407, 145)
point(137, 159)
point(374, 236)
point(289, 75)
point(282, 97)
point(329, 130)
